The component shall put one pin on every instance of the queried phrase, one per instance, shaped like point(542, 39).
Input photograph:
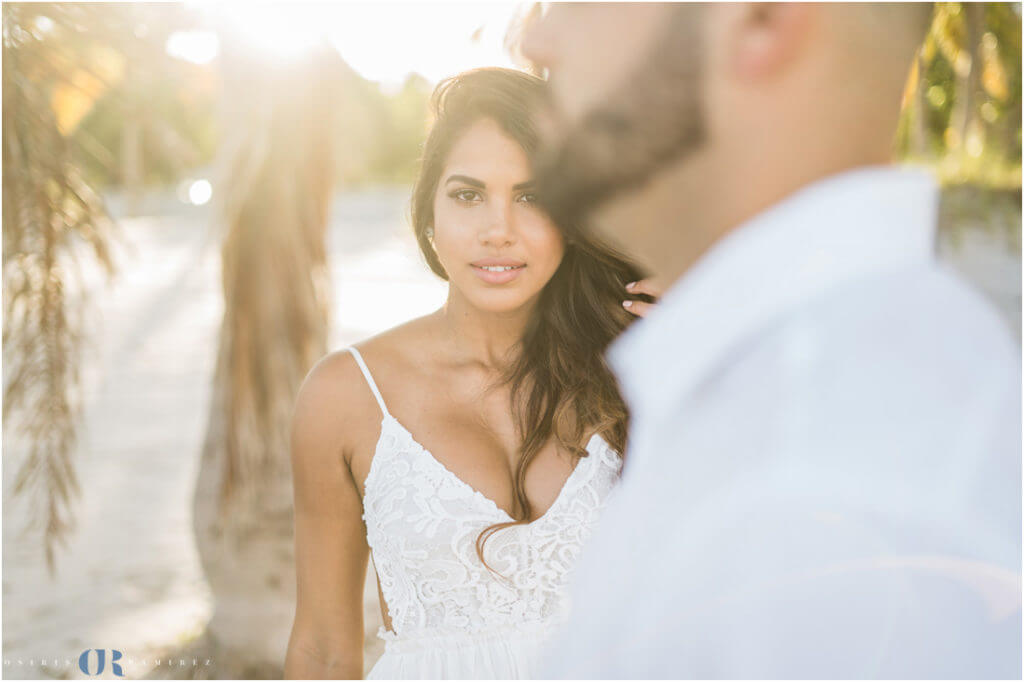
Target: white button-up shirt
point(823, 474)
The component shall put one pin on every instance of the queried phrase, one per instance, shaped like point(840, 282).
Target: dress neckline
point(491, 505)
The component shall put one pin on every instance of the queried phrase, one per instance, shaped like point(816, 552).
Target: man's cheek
point(569, 101)
point(624, 220)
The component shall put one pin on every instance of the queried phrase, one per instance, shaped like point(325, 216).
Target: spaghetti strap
point(369, 378)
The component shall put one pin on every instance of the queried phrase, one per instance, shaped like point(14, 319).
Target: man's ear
point(764, 38)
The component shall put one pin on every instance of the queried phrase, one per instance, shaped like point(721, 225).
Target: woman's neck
point(480, 337)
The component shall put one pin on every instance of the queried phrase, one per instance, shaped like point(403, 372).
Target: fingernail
point(626, 304)
point(630, 285)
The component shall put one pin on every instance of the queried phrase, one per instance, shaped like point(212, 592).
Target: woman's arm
point(330, 536)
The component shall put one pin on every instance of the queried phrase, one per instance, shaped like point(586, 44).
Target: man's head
point(676, 117)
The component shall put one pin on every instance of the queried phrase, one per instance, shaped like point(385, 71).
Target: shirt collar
point(834, 229)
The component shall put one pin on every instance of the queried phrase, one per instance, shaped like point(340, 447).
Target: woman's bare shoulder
point(337, 375)
point(398, 346)
point(335, 406)
point(327, 408)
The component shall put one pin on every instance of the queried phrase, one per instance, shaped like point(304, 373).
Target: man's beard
point(654, 118)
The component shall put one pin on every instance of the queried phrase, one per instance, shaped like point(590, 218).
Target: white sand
point(130, 578)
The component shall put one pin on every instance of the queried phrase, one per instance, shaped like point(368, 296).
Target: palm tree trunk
point(274, 196)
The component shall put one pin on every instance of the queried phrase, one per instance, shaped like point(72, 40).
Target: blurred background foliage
point(138, 110)
point(138, 115)
point(133, 109)
point(962, 109)
point(962, 117)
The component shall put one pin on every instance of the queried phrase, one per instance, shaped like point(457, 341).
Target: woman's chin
point(499, 300)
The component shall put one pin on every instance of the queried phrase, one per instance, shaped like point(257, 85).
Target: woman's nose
point(499, 229)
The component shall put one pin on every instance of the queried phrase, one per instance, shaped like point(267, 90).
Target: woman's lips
point(502, 276)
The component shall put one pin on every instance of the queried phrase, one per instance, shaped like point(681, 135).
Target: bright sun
point(383, 41)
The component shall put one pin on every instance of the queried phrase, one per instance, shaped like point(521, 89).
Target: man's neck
point(671, 228)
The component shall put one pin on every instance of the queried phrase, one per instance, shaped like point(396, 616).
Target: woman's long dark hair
point(560, 384)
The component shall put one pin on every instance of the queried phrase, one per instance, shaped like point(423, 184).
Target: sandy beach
point(130, 578)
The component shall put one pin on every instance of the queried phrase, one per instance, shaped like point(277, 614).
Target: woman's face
point(496, 244)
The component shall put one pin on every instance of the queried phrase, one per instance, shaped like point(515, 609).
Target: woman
point(471, 449)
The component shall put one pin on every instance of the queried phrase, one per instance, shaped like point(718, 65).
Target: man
point(823, 474)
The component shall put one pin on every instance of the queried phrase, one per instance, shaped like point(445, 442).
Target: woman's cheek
point(449, 248)
point(551, 249)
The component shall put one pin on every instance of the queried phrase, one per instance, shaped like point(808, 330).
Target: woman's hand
point(643, 286)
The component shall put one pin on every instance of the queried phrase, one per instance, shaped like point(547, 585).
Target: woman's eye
point(528, 198)
point(468, 195)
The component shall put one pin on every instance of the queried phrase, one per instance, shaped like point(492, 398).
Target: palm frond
point(46, 205)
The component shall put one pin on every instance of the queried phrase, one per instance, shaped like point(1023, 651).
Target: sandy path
point(130, 578)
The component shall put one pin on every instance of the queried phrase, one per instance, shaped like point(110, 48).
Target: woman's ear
point(764, 38)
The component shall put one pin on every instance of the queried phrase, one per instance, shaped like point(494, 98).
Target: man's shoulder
point(926, 315)
point(909, 365)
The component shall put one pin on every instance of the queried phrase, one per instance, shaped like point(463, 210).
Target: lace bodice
point(422, 522)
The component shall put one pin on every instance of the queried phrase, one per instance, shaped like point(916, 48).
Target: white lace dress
point(451, 617)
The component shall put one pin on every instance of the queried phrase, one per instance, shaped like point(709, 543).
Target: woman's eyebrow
point(473, 182)
point(480, 184)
